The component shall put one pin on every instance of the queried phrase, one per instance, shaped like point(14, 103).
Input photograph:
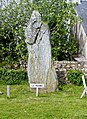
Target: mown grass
point(23, 104)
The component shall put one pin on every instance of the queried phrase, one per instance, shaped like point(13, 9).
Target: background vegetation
point(14, 17)
point(12, 77)
point(60, 17)
point(75, 76)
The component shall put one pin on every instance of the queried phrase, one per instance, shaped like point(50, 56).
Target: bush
point(75, 76)
point(56, 13)
point(12, 77)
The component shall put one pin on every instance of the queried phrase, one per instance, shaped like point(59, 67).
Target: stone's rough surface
point(40, 68)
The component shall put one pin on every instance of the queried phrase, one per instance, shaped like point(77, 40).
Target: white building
point(80, 30)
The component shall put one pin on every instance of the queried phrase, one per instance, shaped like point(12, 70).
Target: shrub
point(75, 76)
point(15, 17)
point(12, 77)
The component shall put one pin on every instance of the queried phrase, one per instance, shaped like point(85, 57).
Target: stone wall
point(62, 67)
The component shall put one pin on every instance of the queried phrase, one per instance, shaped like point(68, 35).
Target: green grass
point(23, 104)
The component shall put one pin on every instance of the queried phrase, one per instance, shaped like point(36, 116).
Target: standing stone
point(40, 68)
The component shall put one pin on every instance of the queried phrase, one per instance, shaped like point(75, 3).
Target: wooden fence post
point(8, 90)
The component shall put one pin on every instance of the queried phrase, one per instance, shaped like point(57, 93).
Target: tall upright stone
point(40, 68)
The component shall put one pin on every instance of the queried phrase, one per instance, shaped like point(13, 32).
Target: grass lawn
point(23, 104)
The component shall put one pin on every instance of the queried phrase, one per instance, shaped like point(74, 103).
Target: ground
point(23, 104)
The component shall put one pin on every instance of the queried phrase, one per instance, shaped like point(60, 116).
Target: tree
point(60, 17)
point(13, 21)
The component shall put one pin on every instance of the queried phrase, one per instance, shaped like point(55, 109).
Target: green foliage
point(60, 17)
point(75, 76)
point(12, 77)
point(13, 19)
point(23, 104)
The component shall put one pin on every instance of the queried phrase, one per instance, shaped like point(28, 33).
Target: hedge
point(12, 77)
point(75, 76)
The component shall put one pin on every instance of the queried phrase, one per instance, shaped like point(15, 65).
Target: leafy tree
point(60, 17)
point(13, 19)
